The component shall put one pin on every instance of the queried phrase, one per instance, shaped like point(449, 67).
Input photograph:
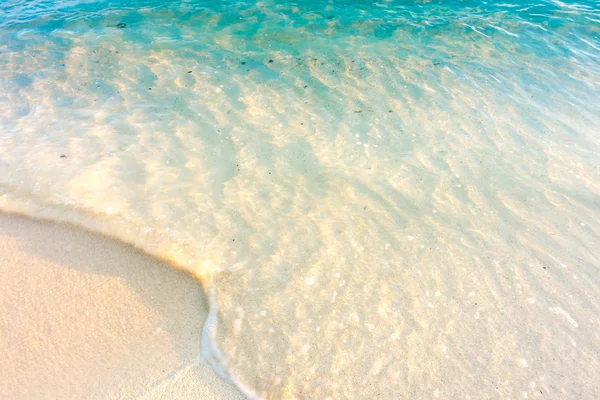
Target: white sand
point(84, 316)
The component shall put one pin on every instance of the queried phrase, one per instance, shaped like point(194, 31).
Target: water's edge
point(396, 199)
point(79, 218)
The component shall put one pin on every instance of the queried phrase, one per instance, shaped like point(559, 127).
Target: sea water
point(393, 199)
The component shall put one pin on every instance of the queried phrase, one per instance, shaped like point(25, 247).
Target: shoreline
point(87, 316)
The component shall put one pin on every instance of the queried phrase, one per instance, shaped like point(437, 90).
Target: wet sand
point(85, 316)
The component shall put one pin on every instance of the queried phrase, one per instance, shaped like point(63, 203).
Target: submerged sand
point(85, 316)
point(388, 200)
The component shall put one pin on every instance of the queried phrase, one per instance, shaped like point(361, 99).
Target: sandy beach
point(351, 200)
point(87, 317)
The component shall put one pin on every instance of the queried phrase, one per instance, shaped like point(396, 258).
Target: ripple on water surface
point(392, 200)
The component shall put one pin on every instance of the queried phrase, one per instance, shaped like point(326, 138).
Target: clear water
point(386, 199)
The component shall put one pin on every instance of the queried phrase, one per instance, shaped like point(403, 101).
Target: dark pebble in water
point(121, 25)
point(149, 88)
point(243, 63)
point(189, 72)
point(63, 156)
point(270, 61)
point(389, 110)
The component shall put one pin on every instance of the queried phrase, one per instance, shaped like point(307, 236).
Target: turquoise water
point(384, 199)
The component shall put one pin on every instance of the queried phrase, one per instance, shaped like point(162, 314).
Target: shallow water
point(385, 200)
